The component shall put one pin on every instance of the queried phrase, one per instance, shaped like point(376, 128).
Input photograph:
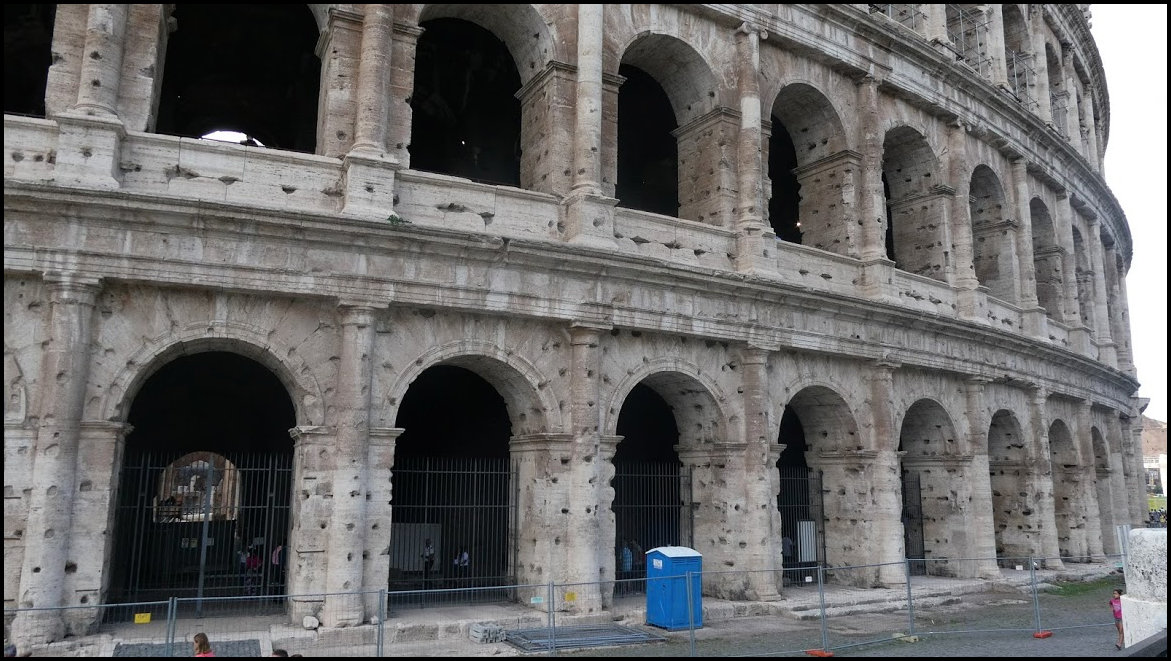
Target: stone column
point(379, 511)
point(1123, 334)
point(1064, 231)
point(544, 468)
point(983, 538)
point(339, 48)
point(589, 214)
point(64, 374)
point(589, 539)
point(347, 521)
point(1041, 62)
point(402, 89)
point(996, 45)
point(1085, 446)
point(1033, 315)
point(877, 269)
point(311, 512)
point(89, 141)
point(368, 168)
point(936, 27)
point(963, 278)
point(1131, 430)
point(885, 477)
point(1040, 469)
point(1072, 108)
point(754, 239)
point(762, 556)
point(1106, 352)
point(1091, 128)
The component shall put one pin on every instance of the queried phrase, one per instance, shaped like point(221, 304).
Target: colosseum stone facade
point(541, 281)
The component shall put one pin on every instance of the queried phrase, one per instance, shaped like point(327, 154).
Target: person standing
point(1116, 606)
point(428, 560)
point(202, 645)
point(460, 564)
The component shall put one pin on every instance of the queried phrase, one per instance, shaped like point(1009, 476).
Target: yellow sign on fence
point(142, 618)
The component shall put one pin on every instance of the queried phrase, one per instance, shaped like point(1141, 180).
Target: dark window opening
point(783, 207)
point(890, 226)
point(648, 153)
point(245, 68)
point(466, 117)
point(28, 38)
point(799, 503)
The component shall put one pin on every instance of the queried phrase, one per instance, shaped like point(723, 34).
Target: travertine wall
point(125, 249)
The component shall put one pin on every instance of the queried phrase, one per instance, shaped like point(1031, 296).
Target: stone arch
point(692, 396)
point(532, 407)
point(1100, 448)
point(1013, 504)
point(809, 170)
point(294, 373)
point(829, 423)
point(1069, 504)
point(1047, 260)
point(926, 431)
point(521, 27)
point(685, 76)
point(1006, 442)
point(994, 235)
point(916, 239)
point(1062, 448)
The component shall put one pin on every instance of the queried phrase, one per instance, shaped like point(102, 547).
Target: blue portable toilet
point(666, 587)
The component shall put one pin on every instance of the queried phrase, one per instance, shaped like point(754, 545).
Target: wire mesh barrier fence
point(794, 611)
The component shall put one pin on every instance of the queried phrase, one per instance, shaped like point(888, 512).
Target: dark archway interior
point(466, 117)
point(453, 485)
point(28, 37)
point(783, 207)
point(792, 435)
point(216, 401)
point(648, 153)
point(235, 412)
point(799, 498)
point(249, 68)
point(648, 487)
point(890, 226)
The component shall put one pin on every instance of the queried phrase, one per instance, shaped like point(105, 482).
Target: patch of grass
point(1079, 588)
point(1156, 502)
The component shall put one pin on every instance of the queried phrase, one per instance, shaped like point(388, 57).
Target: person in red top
point(1116, 606)
point(202, 646)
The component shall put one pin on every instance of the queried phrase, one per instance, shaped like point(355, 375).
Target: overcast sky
point(1132, 40)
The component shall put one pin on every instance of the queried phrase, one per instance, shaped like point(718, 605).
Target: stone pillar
point(1064, 231)
point(1090, 130)
point(1131, 430)
point(1041, 62)
point(90, 134)
point(1040, 469)
point(877, 269)
point(1072, 108)
point(368, 168)
point(64, 373)
point(936, 28)
point(1033, 315)
point(762, 555)
point(589, 527)
point(1085, 446)
point(885, 478)
point(963, 276)
point(983, 539)
point(1106, 352)
point(402, 89)
point(339, 49)
point(1120, 492)
point(544, 466)
point(754, 239)
point(1122, 334)
point(379, 511)
point(347, 521)
point(311, 513)
point(589, 214)
point(996, 45)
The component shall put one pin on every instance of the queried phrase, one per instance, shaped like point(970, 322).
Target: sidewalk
point(444, 630)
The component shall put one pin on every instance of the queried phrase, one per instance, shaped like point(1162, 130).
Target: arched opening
point(453, 486)
point(934, 489)
point(1102, 488)
point(651, 491)
point(28, 40)
point(466, 118)
point(246, 68)
point(1047, 256)
point(799, 502)
point(1068, 498)
point(204, 498)
point(784, 205)
point(914, 204)
point(1013, 506)
point(648, 151)
point(1018, 57)
point(994, 258)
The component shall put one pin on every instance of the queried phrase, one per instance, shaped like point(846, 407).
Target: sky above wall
point(1132, 40)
